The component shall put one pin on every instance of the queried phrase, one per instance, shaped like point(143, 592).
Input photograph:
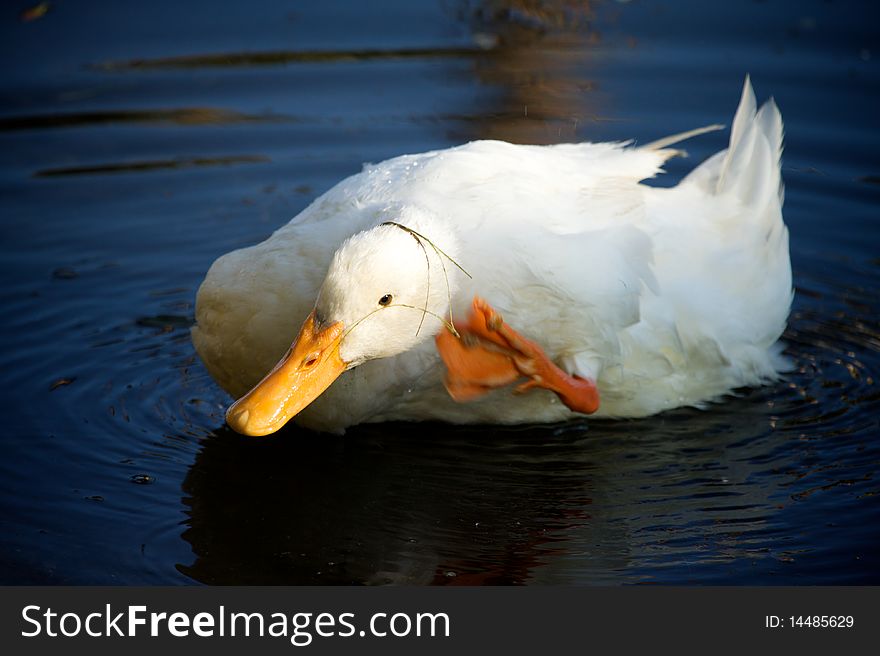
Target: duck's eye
point(386, 300)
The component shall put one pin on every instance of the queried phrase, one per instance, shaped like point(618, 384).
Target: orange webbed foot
point(491, 354)
point(473, 366)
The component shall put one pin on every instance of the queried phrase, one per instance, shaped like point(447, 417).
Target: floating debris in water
point(142, 479)
point(36, 12)
point(64, 273)
point(61, 382)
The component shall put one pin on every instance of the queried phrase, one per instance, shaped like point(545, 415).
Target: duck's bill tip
point(310, 366)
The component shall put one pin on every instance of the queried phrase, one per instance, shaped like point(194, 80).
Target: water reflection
point(541, 55)
point(606, 503)
point(182, 116)
point(150, 165)
point(278, 57)
point(534, 52)
point(385, 504)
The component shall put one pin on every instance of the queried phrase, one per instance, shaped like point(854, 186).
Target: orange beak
point(308, 368)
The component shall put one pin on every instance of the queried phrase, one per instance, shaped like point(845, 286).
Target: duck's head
point(387, 289)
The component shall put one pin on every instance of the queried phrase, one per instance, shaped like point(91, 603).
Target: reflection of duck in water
point(274, 512)
point(676, 500)
point(633, 299)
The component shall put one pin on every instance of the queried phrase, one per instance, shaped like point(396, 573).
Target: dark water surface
point(139, 141)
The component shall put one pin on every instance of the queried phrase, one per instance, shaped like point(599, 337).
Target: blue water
point(140, 141)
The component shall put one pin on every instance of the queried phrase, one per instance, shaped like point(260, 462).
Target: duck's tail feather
point(681, 136)
point(749, 169)
point(741, 188)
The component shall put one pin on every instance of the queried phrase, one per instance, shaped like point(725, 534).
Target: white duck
point(646, 298)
